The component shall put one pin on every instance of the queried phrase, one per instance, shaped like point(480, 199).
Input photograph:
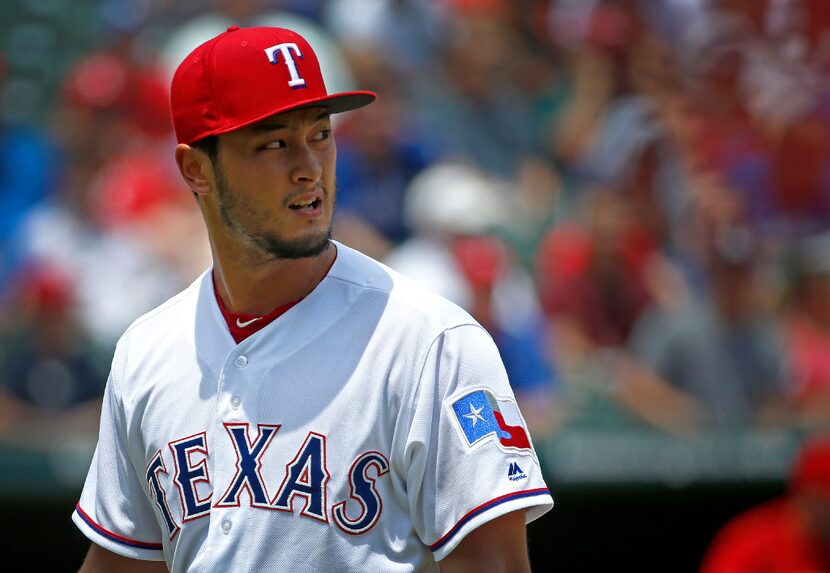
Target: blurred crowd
point(633, 197)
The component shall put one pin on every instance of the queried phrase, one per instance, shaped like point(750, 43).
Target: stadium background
point(585, 177)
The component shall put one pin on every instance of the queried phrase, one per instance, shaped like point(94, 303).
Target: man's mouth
point(306, 204)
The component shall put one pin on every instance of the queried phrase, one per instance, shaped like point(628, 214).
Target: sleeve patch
point(480, 414)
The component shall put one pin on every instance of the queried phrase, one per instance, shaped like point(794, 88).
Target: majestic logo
point(480, 414)
point(515, 473)
point(285, 50)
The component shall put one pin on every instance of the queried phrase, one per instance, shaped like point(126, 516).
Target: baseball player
point(300, 406)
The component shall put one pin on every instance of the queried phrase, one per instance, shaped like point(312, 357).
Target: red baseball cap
point(245, 75)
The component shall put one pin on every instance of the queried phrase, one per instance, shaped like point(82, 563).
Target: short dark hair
point(208, 145)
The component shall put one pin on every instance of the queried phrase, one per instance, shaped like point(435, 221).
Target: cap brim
point(334, 103)
point(337, 103)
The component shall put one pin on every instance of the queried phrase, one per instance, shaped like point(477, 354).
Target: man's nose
point(306, 166)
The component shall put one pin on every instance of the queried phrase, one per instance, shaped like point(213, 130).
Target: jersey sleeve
point(114, 511)
point(468, 457)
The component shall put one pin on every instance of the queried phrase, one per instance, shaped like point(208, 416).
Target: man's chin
point(305, 247)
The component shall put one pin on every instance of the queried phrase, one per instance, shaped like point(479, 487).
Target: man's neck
point(259, 288)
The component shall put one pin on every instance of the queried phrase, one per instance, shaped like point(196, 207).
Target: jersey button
point(226, 527)
point(235, 402)
point(241, 361)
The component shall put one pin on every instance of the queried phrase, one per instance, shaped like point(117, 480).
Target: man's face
point(275, 183)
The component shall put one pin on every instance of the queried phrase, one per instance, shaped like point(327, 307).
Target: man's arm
point(99, 560)
point(499, 546)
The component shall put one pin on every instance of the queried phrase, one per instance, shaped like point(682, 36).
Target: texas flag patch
point(480, 414)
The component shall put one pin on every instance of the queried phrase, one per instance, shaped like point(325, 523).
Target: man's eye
point(322, 135)
point(278, 144)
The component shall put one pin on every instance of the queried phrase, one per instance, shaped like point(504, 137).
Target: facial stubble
point(270, 244)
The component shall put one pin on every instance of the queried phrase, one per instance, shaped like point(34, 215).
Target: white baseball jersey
point(369, 428)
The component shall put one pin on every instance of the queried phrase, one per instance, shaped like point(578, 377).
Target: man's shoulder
point(404, 298)
point(168, 316)
point(156, 340)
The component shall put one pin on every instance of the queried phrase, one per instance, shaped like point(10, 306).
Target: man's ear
point(196, 169)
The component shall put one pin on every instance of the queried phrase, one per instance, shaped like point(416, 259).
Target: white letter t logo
point(285, 50)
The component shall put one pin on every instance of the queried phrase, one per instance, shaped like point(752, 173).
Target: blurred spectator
point(140, 197)
point(591, 280)
point(716, 361)
point(592, 275)
point(110, 103)
point(669, 20)
point(605, 120)
point(107, 116)
point(801, 178)
point(788, 534)
point(758, 92)
point(808, 331)
point(452, 209)
point(379, 153)
point(408, 32)
point(815, 17)
point(727, 141)
point(52, 374)
point(27, 162)
point(475, 103)
point(538, 203)
point(778, 80)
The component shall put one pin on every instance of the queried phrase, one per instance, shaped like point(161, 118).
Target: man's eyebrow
point(267, 125)
point(273, 124)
